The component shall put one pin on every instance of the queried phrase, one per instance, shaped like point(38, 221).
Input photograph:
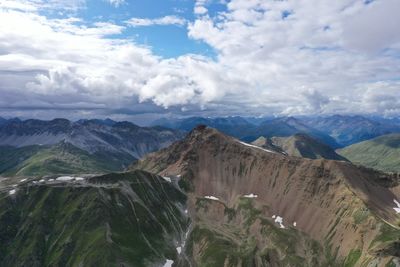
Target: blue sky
point(130, 59)
point(165, 40)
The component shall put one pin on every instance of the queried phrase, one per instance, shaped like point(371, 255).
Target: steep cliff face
point(130, 219)
point(253, 206)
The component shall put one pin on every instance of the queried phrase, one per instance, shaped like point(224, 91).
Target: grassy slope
point(129, 219)
point(382, 153)
point(62, 158)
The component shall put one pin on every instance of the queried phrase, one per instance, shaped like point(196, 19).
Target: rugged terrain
point(128, 219)
point(255, 207)
point(299, 145)
point(382, 153)
point(34, 147)
point(335, 131)
point(212, 200)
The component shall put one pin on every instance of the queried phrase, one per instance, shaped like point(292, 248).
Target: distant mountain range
point(335, 131)
point(347, 130)
point(36, 147)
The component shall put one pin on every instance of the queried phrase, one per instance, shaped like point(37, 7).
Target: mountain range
point(336, 131)
point(205, 200)
point(36, 147)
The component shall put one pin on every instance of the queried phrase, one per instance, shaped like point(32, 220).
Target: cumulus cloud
point(275, 57)
point(280, 47)
point(167, 20)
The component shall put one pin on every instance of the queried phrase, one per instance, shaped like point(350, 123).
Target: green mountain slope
point(382, 153)
point(130, 219)
point(62, 158)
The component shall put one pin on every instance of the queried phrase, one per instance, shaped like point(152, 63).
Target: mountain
point(233, 126)
point(253, 207)
point(2, 121)
point(242, 129)
point(288, 126)
point(61, 158)
point(299, 145)
point(382, 153)
point(33, 147)
point(128, 219)
point(108, 122)
point(347, 130)
point(268, 144)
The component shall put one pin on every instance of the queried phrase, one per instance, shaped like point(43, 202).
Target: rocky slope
point(299, 145)
point(130, 219)
point(254, 207)
point(88, 135)
point(382, 153)
point(102, 145)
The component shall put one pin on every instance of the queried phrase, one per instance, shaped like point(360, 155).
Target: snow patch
point(273, 216)
point(250, 196)
point(168, 263)
point(279, 220)
point(179, 176)
point(179, 249)
point(186, 211)
point(167, 179)
point(294, 224)
point(397, 209)
point(12, 192)
point(51, 180)
point(41, 181)
point(211, 197)
point(14, 185)
point(65, 178)
point(253, 146)
point(23, 180)
point(79, 178)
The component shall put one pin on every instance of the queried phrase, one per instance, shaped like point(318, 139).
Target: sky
point(143, 59)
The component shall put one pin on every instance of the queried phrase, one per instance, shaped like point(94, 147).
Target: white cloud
point(200, 10)
point(116, 3)
point(278, 48)
point(11, 4)
point(276, 57)
point(167, 20)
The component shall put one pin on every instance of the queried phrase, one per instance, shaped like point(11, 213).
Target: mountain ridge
point(299, 145)
point(96, 141)
point(313, 195)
